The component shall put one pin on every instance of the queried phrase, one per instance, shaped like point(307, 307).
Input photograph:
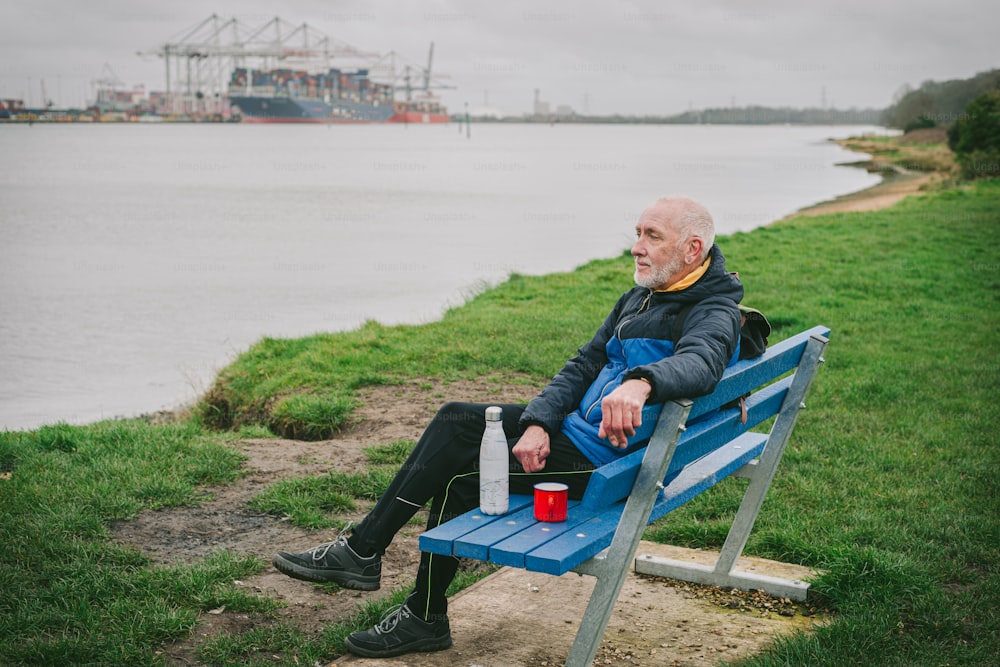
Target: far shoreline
point(893, 188)
point(898, 182)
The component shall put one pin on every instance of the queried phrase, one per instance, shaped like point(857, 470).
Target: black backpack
point(754, 330)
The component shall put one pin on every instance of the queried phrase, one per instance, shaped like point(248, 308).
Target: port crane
point(402, 77)
point(110, 94)
point(198, 62)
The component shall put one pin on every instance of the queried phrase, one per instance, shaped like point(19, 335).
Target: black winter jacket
point(636, 341)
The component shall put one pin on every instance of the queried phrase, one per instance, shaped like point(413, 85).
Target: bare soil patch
point(927, 135)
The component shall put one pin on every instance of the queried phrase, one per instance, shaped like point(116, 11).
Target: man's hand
point(532, 449)
point(622, 412)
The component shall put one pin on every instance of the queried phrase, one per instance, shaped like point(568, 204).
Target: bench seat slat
point(441, 540)
point(613, 482)
point(512, 551)
point(587, 539)
point(478, 543)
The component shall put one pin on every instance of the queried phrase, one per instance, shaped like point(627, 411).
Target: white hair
point(691, 219)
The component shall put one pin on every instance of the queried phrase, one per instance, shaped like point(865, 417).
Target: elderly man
point(602, 405)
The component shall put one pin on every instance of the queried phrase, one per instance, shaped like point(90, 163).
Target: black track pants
point(444, 469)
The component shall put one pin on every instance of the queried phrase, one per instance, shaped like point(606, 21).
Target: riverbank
point(911, 164)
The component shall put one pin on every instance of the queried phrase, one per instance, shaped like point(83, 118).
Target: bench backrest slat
point(748, 375)
point(613, 482)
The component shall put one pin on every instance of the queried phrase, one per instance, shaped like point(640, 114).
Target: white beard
point(658, 276)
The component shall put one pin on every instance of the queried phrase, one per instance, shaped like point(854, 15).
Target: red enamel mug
point(550, 501)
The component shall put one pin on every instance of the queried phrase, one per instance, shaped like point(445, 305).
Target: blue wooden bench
point(603, 529)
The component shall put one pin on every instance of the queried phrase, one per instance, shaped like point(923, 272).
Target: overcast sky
point(640, 57)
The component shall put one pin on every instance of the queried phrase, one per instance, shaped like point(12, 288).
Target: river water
point(137, 260)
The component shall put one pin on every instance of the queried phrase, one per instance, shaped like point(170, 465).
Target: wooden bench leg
point(612, 566)
point(724, 573)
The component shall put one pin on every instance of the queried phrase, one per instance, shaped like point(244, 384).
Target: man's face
point(659, 259)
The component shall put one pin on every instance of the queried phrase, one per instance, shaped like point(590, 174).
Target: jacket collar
point(689, 279)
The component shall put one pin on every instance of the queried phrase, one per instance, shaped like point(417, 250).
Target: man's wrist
point(642, 377)
point(649, 385)
point(525, 426)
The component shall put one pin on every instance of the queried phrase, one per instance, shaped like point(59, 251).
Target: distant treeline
point(937, 104)
point(754, 115)
point(934, 104)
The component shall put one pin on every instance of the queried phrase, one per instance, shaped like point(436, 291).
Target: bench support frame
point(611, 566)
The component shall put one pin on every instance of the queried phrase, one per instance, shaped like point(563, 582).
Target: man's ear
point(694, 247)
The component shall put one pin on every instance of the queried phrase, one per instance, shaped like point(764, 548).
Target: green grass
point(889, 484)
point(69, 595)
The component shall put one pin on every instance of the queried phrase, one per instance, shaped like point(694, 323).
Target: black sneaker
point(333, 561)
point(401, 631)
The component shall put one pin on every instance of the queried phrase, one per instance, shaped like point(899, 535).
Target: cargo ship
point(424, 109)
point(333, 96)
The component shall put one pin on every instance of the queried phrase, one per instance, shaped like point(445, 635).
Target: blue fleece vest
point(581, 425)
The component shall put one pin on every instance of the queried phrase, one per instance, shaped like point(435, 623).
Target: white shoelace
point(319, 552)
point(392, 618)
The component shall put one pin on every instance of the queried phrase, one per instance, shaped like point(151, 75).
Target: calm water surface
point(138, 260)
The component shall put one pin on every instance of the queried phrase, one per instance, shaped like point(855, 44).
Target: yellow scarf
point(689, 279)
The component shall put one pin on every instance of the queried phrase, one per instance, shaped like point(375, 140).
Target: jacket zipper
point(618, 333)
point(642, 307)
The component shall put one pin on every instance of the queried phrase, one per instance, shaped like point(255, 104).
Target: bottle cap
point(494, 413)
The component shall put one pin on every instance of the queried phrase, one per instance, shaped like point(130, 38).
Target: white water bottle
point(494, 466)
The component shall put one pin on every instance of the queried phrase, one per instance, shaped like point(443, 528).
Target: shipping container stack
point(332, 86)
